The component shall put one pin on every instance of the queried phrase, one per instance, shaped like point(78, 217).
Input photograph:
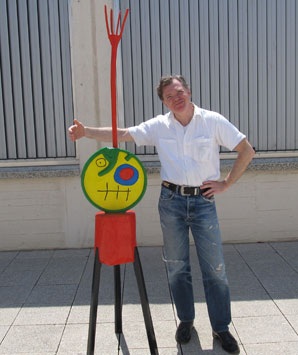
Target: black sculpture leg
point(118, 306)
point(145, 304)
point(94, 304)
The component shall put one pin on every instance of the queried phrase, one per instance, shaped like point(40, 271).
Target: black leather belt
point(182, 190)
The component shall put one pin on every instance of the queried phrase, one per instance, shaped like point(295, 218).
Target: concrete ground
point(45, 301)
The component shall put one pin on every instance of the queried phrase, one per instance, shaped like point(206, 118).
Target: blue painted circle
point(130, 181)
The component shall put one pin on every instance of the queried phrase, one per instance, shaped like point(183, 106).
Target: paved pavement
point(45, 300)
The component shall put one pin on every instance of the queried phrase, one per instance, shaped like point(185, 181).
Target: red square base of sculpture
point(115, 237)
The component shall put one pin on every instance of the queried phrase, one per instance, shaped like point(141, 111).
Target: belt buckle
point(182, 193)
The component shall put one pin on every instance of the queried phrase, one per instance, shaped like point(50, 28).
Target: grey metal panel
point(3, 150)
point(26, 79)
point(194, 34)
point(165, 41)
point(243, 66)
point(136, 68)
point(253, 73)
point(16, 78)
point(296, 79)
point(155, 56)
point(281, 74)
point(262, 76)
point(272, 80)
point(47, 78)
point(240, 57)
point(66, 73)
point(35, 58)
point(184, 39)
point(224, 58)
point(233, 98)
point(214, 55)
point(225, 70)
point(36, 79)
point(147, 65)
point(155, 53)
point(204, 52)
point(6, 83)
point(174, 36)
point(128, 96)
point(290, 65)
point(57, 78)
point(165, 37)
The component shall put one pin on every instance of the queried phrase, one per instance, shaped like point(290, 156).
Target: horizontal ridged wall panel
point(239, 56)
point(36, 104)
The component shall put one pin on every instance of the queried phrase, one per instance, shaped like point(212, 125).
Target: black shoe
point(228, 342)
point(183, 333)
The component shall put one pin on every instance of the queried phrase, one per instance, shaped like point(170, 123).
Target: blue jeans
point(178, 214)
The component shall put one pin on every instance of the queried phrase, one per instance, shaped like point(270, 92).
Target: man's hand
point(245, 155)
point(76, 131)
point(213, 187)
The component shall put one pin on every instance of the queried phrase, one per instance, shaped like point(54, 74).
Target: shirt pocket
point(202, 149)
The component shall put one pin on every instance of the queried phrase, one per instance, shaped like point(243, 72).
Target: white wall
point(261, 206)
point(41, 213)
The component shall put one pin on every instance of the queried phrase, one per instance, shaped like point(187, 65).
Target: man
point(187, 140)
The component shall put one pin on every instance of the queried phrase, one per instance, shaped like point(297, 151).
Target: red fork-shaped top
point(114, 39)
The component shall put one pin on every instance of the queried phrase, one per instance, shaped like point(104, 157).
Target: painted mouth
point(117, 192)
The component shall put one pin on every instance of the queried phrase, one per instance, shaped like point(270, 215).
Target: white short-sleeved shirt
point(188, 155)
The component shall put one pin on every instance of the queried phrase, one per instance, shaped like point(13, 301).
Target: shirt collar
point(197, 111)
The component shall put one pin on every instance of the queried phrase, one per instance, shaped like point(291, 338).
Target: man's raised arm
point(104, 134)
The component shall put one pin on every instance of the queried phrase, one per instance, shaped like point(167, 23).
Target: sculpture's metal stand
point(100, 226)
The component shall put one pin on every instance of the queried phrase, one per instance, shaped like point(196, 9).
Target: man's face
point(176, 97)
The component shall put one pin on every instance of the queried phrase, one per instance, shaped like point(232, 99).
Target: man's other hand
point(213, 187)
point(76, 131)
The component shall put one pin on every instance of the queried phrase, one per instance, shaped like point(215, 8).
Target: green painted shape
point(112, 156)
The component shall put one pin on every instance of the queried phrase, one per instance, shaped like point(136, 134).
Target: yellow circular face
point(114, 180)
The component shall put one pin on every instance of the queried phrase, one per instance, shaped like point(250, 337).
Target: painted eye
point(126, 174)
point(101, 162)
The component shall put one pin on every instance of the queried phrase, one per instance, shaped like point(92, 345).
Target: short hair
point(167, 80)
